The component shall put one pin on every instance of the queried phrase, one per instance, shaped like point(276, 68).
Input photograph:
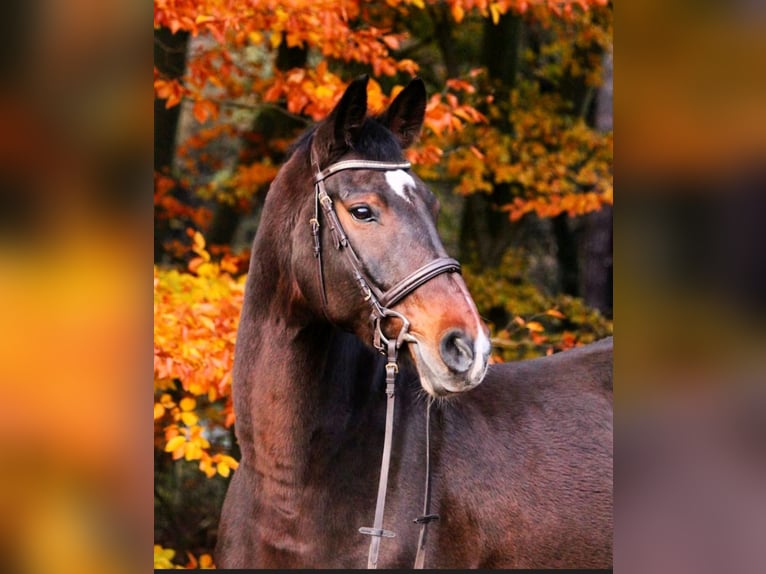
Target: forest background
point(517, 145)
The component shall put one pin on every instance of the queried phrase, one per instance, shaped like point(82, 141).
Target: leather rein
point(380, 303)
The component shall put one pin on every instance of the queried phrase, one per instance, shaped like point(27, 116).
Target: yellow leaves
point(198, 246)
point(555, 313)
point(535, 327)
point(282, 15)
point(163, 560)
point(201, 19)
point(163, 557)
point(195, 323)
point(496, 12)
point(225, 464)
point(176, 445)
point(193, 451)
point(159, 411)
point(223, 469)
point(189, 419)
point(187, 404)
point(221, 464)
point(190, 444)
point(167, 401)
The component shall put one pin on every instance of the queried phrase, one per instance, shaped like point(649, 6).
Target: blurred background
point(518, 145)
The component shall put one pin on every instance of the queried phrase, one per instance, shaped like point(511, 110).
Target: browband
point(359, 164)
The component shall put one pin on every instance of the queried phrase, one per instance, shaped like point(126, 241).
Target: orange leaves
point(205, 562)
point(446, 115)
point(457, 12)
point(170, 90)
point(204, 109)
point(555, 313)
point(309, 92)
point(550, 206)
point(195, 322)
point(163, 560)
point(327, 26)
point(553, 163)
point(167, 206)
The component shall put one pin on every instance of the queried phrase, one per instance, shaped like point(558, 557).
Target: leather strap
point(418, 278)
point(380, 304)
point(426, 518)
point(377, 530)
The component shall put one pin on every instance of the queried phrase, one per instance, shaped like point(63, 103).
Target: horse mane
point(376, 142)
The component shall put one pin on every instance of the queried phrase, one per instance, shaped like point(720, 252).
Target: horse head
point(376, 242)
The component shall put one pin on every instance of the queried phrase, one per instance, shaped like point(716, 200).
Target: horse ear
point(405, 115)
point(341, 128)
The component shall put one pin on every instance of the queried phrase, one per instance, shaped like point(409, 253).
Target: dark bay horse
point(347, 270)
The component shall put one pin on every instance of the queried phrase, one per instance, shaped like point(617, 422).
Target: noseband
point(380, 304)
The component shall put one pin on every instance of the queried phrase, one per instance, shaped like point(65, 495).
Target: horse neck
point(297, 381)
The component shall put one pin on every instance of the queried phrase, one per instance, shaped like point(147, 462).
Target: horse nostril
point(457, 351)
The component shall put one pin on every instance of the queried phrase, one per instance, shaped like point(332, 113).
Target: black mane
point(376, 142)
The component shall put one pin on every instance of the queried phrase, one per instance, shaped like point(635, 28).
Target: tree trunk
point(566, 254)
point(170, 60)
point(597, 257)
point(486, 232)
point(597, 238)
point(501, 47)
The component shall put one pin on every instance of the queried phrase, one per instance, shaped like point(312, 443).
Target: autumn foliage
point(479, 134)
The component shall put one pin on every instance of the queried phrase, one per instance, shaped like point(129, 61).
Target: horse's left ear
point(404, 117)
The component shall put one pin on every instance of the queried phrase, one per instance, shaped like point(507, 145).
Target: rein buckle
point(377, 532)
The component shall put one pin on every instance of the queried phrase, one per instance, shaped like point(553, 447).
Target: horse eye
point(361, 213)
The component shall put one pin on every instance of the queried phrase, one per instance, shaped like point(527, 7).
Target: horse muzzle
point(457, 364)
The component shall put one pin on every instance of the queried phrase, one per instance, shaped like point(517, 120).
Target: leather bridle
point(380, 304)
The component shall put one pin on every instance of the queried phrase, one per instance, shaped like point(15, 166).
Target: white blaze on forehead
point(399, 180)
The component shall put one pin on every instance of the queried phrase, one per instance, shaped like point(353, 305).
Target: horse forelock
point(375, 142)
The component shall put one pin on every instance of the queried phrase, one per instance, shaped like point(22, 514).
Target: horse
point(352, 303)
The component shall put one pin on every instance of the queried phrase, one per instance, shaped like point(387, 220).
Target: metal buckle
point(377, 532)
point(426, 519)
